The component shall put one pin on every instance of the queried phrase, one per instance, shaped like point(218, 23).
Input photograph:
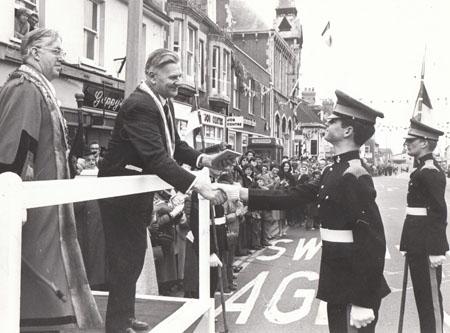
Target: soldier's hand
point(361, 317)
point(214, 261)
point(436, 261)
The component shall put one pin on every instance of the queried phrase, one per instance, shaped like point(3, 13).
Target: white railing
point(16, 196)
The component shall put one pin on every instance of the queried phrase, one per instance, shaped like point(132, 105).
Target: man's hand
point(217, 197)
point(232, 191)
point(436, 261)
point(214, 261)
point(361, 317)
point(213, 161)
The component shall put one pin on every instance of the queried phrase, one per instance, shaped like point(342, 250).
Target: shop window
point(263, 106)
point(251, 96)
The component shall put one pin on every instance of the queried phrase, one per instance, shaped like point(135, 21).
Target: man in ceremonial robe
point(33, 145)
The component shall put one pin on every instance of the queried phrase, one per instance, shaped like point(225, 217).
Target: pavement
point(276, 287)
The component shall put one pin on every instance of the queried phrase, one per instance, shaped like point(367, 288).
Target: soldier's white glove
point(214, 261)
point(361, 317)
point(436, 261)
point(232, 191)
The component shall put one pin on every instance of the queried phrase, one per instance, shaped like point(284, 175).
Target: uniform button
point(326, 198)
point(363, 212)
point(318, 206)
point(317, 195)
point(322, 186)
point(331, 169)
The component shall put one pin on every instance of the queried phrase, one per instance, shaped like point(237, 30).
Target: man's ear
point(151, 76)
point(348, 131)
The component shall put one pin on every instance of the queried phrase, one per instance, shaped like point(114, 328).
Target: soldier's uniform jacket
point(426, 233)
point(351, 272)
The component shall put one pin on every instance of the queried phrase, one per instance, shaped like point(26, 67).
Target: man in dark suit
point(144, 141)
point(423, 237)
point(353, 242)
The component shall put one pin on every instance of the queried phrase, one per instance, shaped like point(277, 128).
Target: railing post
point(204, 246)
point(11, 214)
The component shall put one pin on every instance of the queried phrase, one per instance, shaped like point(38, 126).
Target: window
point(236, 96)
point(29, 4)
point(177, 36)
point(215, 69)
point(244, 140)
point(190, 52)
point(201, 62)
point(91, 29)
point(251, 96)
point(263, 105)
point(226, 62)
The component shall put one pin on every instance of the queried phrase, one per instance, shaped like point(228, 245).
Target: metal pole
point(403, 300)
point(219, 271)
point(11, 216)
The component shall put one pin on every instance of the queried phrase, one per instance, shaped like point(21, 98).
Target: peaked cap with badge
point(348, 107)
point(420, 130)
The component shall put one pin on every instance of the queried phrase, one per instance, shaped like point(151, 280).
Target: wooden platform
point(150, 311)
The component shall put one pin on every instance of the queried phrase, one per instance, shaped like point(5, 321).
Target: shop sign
point(249, 122)
point(103, 98)
point(212, 119)
point(235, 122)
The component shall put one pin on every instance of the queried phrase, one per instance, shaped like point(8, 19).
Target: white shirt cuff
point(192, 185)
point(197, 164)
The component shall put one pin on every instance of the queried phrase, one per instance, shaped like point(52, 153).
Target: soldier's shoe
point(138, 325)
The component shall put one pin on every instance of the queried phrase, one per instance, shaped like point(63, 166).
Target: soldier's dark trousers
point(339, 320)
point(427, 283)
point(124, 222)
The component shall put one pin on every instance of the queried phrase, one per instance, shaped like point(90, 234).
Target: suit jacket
point(138, 139)
point(426, 234)
point(350, 273)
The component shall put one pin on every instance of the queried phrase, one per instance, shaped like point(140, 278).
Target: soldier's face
point(335, 131)
point(166, 80)
point(414, 147)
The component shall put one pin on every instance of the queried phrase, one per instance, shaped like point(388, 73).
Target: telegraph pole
point(134, 44)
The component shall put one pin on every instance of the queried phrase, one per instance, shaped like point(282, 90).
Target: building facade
point(244, 80)
point(95, 45)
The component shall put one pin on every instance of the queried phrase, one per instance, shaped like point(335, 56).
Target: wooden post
point(11, 215)
point(134, 71)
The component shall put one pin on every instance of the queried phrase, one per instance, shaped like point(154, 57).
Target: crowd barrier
point(17, 196)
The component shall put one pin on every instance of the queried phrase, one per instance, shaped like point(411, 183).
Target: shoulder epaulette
point(356, 168)
point(429, 164)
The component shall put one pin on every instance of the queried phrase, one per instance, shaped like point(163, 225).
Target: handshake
point(218, 193)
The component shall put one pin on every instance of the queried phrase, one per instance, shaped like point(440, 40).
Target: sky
point(376, 56)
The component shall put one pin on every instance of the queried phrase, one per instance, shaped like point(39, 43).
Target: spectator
point(21, 25)
point(34, 146)
point(33, 21)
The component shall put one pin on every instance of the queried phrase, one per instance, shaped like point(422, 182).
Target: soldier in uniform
point(351, 273)
point(423, 237)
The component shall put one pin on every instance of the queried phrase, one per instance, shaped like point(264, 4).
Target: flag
point(423, 107)
point(326, 34)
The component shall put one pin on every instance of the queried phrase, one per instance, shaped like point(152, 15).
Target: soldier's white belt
point(336, 236)
point(220, 220)
point(417, 211)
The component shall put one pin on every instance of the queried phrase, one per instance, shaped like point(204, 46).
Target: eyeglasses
point(56, 51)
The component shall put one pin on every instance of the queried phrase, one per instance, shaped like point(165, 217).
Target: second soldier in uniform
point(423, 238)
